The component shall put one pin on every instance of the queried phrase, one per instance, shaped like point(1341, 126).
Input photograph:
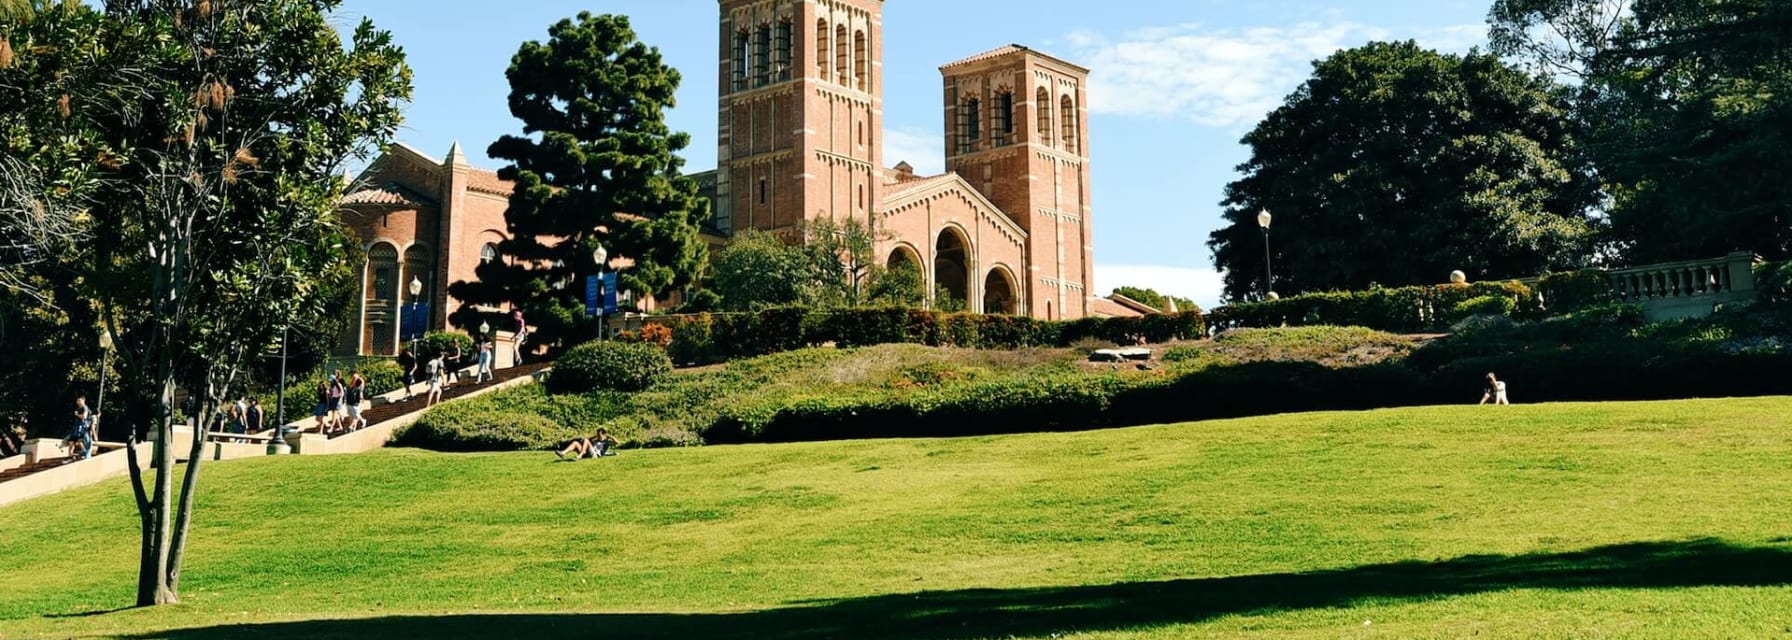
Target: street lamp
point(1269, 278)
point(601, 257)
point(416, 306)
point(105, 363)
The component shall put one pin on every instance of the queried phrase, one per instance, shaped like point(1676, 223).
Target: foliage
point(759, 270)
point(383, 376)
point(1501, 306)
point(609, 366)
point(1774, 281)
point(1570, 291)
point(1156, 300)
point(1683, 103)
point(468, 427)
point(1400, 310)
point(443, 343)
point(595, 166)
point(1396, 165)
point(205, 143)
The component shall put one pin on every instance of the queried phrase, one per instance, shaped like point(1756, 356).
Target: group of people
point(243, 416)
point(444, 369)
point(339, 401)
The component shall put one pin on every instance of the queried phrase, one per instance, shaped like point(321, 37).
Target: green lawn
point(1654, 520)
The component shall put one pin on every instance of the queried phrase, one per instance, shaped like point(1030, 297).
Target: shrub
point(442, 342)
point(1570, 291)
point(611, 366)
point(1484, 306)
point(1774, 281)
point(481, 427)
point(382, 374)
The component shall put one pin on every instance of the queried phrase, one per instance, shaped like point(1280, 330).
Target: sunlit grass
point(1664, 519)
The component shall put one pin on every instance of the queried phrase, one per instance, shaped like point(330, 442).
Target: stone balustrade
point(1687, 289)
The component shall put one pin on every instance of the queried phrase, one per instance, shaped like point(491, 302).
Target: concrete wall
point(70, 476)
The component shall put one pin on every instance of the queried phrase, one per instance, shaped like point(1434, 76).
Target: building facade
point(1006, 229)
point(800, 137)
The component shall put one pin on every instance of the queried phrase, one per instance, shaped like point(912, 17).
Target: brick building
point(424, 220)
point(1006, 229)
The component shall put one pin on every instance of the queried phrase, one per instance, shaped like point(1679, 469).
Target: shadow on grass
point(980, 613)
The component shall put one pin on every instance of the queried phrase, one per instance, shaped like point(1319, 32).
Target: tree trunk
point(154, 583)
point(188, 487)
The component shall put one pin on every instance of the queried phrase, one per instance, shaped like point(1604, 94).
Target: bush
point(382, 374)
point(1774, 281)
point(443, 342)
point(609, 366)
point(1570, 291)
point(481, 427)
point(1484, 306)
point(1399, 310)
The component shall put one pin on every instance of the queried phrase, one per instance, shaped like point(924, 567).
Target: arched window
point(1042, 104)
point(841, 55)
point(861, 197)
point(1067, 113)
point(740, 59)
point(781, 49)
point(970, 124)
point(861, 60)
point(821, 49)
point(762, 56)
point(488, 253)
point(1002, 117)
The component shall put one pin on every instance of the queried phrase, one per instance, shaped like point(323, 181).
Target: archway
point(998, 292)
point(951, 271)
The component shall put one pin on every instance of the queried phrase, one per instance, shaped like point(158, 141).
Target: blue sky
point(1175, 84)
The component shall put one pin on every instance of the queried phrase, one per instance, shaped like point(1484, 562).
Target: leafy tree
point(1557, 37)
point(204, 140)
point(595, 165)
point(1396, 165)
point(843, 255)
point(759, 270)
point(902, 285)
point(1156, 300)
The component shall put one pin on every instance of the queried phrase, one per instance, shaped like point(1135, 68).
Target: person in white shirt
point(1495, 391)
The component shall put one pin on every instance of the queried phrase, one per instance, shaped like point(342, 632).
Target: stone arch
point(842, 56)
point(1067, 116)
point(1000, 292)
point(1042, 104)
point(821, 49)
point(904, 252)
point(952, 262)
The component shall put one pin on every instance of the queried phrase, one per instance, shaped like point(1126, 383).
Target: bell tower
point(1016, 130)
point(800, 128)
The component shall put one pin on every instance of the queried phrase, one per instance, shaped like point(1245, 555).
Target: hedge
point(718, 337)
point(1398, 310)
point(1774, 281)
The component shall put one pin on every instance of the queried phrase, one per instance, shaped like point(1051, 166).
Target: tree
point(205, 141)
point(759, 270)
point(1556, 37)
point(595, 165)
point(1396, 165)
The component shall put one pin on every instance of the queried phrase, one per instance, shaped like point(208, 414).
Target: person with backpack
point(80, 439)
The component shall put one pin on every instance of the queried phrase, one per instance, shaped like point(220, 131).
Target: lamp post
point(1269, 278)
point(277, 444)
point(105, 363)
point(601, 257)
point(416, 305)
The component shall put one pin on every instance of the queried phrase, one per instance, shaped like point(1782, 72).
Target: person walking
point(484, 373)
point(1495, 391)
point(322, 409)
point(253, 418)
point(80, 439)
point(407, 362)
point(357, 392)
point(522, 335)
point(436, 379)
point(455, 360)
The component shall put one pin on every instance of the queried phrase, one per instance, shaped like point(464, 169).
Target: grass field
point(1650, 520)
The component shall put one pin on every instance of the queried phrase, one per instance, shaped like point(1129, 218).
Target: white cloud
point(924, 151)
point(1201, 285)
point(1226, 77)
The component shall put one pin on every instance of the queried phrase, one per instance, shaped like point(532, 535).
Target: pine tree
point(595, 166)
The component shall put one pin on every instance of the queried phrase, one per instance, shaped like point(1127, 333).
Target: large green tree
point(595, 166)
point(1395, 165)
point(835, 266)
point(205, 141)
point(1157, 300)
point(1688, 109)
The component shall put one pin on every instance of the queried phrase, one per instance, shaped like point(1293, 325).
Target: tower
point(1016, 131)
point(800, 128)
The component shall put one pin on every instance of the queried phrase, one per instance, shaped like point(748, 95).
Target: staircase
point(397, 408)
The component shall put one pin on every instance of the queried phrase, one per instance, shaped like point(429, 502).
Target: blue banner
point(592, 299)
point(414, 322)
point(610, 292)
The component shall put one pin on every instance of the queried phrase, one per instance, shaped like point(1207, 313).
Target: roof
point(1108, 308)
point(488, 182)
point(1010, 49)
point(1142, 308)
point(389, 194)
point(892, 191)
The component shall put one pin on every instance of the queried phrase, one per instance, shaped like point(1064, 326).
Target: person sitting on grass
point(602, 444)
point(1495, 391)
